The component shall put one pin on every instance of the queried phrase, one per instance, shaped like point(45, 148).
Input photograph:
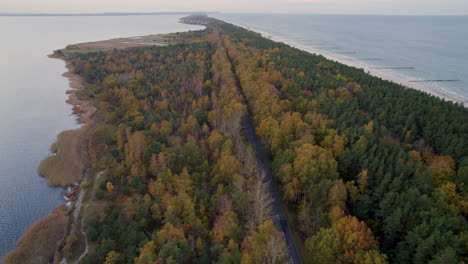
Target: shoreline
point(70, 141)
point(75, 139)
point(346, 60)
point(47, 236)
point(67, 163)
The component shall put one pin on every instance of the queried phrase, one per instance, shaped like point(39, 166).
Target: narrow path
point(93, 191)
point(77, 209)
point(278, 215)
point(85, 252)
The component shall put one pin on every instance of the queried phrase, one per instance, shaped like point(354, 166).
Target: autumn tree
point(266, 245)
point(342, 242)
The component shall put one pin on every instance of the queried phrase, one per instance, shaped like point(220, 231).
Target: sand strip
point(342, 58)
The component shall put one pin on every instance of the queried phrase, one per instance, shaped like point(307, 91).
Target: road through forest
point(278, 215)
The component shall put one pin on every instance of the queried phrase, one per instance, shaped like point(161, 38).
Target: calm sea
point(32, 91)
point(32, 104)
point(413, 48)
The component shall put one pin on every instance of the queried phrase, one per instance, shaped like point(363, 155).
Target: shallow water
point(32, 90)
point(32, 104)
point(435, 47)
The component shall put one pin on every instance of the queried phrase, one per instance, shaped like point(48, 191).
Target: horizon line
point(206, 13)
point(100, 13)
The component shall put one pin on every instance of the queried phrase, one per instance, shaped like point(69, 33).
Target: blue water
point(32, 91)
point(32, 104)
point(435, 46)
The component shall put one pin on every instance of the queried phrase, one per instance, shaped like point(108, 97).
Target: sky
point(395, 7)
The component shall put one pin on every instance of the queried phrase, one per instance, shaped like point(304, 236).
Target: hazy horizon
point(342, 7)
point(110, 13)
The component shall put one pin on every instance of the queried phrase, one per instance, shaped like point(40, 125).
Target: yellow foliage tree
point(113, 257)
point(109, 187)
point(147, 254)
point(264, 246)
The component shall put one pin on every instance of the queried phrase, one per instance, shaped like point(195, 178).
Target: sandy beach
point(341, 58)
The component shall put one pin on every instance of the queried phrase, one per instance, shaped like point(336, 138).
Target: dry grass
point(66, 166)
point(39, 244)
point(121, 43)
point(43, 241)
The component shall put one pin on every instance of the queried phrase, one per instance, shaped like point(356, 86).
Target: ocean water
point(32, 90)
point(413, 48)
point(32, 104)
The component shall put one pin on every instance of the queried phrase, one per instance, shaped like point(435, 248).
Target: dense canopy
point(368, 171)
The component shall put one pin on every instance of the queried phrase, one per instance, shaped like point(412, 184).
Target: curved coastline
point(83, 111)
point(68, 161)
point(47, 235)
point(346, 60)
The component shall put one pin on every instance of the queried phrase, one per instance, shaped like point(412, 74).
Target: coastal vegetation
point(367, 171)
point(42, 240)
point(69, 159)
point(179, 169)
point(65, 166)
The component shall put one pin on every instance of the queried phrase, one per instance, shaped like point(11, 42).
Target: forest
point(368, 171)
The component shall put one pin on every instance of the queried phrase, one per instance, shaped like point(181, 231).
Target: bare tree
point(261, 202)
point(275, 249)
point(251, 165)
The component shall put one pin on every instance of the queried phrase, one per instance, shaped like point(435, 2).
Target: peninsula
point(222, 146)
